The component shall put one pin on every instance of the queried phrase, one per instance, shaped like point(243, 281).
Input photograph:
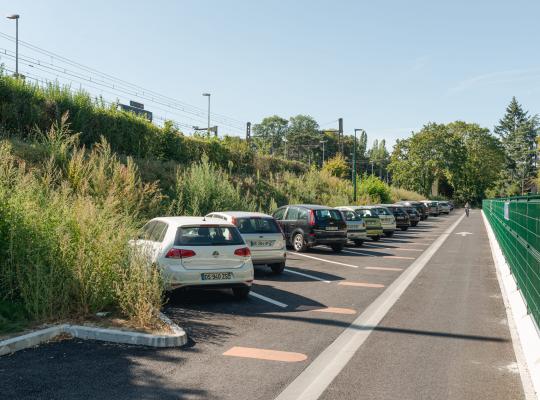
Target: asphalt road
point(446, 336)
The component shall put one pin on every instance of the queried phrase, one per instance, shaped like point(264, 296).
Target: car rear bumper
point(175, 277)
point(268, 256)
point(313, 241)
point(403, 224)
point(375, 232)
point(357, 235)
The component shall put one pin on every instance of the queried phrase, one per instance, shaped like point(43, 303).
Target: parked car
point(373, 223)
point(388, 222)
point(433, 207)
point(419, 206)
point(356, 227)
point(306, 225)
point(451, 204)
point(402, 218)
point(262, 235)
point(414, 216)
point(197, 251)
point(445, 207)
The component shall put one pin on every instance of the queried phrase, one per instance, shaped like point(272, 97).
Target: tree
point(269, 134)
point(337, 166)
point(303, 136)
point(518, 132)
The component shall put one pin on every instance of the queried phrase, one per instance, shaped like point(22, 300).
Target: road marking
point(463, 234)
point(385, 268)
point(328, 261)
point(314, 380)
point(361, 284)
point(264, 354)
point(268, 299)
point(336, 310)
point(362, 253)
point(306, 275)
point(395, 248)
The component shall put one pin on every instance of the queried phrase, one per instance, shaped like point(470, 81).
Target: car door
point(156, 240)
point(290, 221)
point(279, 216)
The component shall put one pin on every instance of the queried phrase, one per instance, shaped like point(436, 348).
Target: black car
point(306, 225)
point(402, 218)
point(422, 209)
point(414, 216)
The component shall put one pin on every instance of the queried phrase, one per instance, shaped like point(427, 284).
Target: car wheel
point(404, 228)
point(277, 268)
point(299, 244)
point(241, 293)
point(358, 243)
point(336, 248)
point(389, 234)
point(376, 238)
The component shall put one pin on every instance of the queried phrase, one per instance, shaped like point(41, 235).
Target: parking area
point(249, 349)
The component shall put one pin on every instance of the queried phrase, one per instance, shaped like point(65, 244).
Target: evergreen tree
point(518, 132)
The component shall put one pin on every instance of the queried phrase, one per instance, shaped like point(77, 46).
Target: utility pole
point(354, 165)
point(340, 134)
point(323, 142)
point(248, 132)
point(16, 18)
point(208, 95)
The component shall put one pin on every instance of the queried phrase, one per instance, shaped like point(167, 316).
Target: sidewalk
point(447, 337)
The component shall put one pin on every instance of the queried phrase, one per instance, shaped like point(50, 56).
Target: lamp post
point(354, 165)
point(208, 95)
point(16, 18)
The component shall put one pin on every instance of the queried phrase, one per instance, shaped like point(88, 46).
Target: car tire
point(241, 293)
point(358, 243)
point(404, 228)
point(299, 244)
point(388, 234)
point(336, 248)
point(376, 238)
point(277, 268)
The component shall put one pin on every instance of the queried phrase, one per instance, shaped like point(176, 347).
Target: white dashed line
point(328, 261)
point(306, 275)
point(268, 299)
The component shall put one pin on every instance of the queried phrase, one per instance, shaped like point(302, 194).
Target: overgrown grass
point(13, 317)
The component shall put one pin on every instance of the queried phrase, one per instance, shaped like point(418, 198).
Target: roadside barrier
point(516, 223)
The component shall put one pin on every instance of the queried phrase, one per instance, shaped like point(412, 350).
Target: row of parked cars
point(220, 249)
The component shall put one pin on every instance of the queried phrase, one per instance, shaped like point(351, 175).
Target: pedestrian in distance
point(467, 208)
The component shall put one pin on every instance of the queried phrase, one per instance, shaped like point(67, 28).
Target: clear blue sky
point(388, 67)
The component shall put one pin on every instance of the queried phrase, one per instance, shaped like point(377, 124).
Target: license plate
point(216, 276)
point(331, 228)
point(262, 243)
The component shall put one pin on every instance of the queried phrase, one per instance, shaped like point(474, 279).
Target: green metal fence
point(516, 223)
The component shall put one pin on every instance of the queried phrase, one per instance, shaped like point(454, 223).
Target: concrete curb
point(177, 339)
point(525, 334)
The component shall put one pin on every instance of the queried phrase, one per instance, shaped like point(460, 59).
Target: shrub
point(337, 166)
point(376, 189)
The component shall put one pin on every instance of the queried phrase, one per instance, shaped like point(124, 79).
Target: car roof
point(186, 221)
point(242, 214)
point(311, 206)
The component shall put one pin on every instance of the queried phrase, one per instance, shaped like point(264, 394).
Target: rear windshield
point(383, 211)
point(207, 235)
point(328, 215)
point(351, 216)
point(366, 213)
point(257, 225)
point(396, 210)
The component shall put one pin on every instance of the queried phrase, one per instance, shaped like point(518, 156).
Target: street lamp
point(208, 95)
point(16, 18)
point(354, 164)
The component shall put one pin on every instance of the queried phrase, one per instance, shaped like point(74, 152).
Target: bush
point(376, 189)
point(337, 166)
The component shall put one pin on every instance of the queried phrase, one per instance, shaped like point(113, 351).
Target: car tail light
point(242, 252)
point(179, 253)
point(311, 218)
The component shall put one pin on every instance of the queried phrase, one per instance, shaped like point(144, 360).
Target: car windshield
point(351, 216)
point(257, 225)
point(364, 212)
point(328, 215)
point(383, 211)
point(207, 235)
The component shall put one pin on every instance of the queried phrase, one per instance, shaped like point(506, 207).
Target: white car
point(262, 234)
point(356, 226)
point(388, 221)
point(197, 251)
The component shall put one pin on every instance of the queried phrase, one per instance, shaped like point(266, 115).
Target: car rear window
point(352, 216)
point(383, 211)
point(257, 225)
point(207, 235)
point(328, 215)
point(366, 213)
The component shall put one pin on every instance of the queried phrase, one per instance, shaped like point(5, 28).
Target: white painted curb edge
point(179, 338)
point(525, 335)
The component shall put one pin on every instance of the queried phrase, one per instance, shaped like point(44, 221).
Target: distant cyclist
point(467, 208)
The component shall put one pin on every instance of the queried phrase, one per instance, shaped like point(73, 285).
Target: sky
point(387, 67)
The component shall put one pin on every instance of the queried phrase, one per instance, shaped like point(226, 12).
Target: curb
point(177, 339)
point(524, 332)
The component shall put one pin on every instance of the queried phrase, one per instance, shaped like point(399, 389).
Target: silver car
point(356, 227)
point(262, 234)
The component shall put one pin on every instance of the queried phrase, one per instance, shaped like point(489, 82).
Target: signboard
point(136, 104)
point(137, 110)
point(507, 210)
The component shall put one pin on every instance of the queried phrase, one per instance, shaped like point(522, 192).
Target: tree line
point(459, 160)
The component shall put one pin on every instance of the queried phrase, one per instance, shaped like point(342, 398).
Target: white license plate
point(262, 243)
point(331, 228)
point(216, 276)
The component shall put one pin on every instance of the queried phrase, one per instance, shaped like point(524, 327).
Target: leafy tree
point(303, 136)
point(337, 166)
point(269, 134)
point(518, 132)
